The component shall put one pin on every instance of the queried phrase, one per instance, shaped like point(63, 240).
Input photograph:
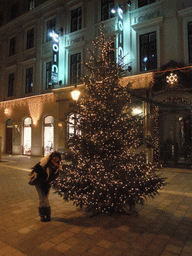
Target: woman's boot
point(42, 213)
point(48, 213)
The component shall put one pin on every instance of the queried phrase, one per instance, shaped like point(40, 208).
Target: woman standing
point(47, 170)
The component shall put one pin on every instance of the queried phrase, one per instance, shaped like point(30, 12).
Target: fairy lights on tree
point(108, 175)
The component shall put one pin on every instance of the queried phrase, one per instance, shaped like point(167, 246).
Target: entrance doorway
point(175, 138)
point(9, 136)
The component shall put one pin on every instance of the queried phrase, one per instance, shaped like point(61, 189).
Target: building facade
point(42, 46)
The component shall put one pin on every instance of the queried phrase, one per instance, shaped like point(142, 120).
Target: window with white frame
point(106, 9)
point(51, 26)
point(30, 39)
point(75, 68)
point(76, 19)
point(190, 41)
point(11, 84)
point(142, 3)
point(148, 51)
point(29, 80)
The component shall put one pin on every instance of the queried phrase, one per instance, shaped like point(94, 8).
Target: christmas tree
point(107, 174)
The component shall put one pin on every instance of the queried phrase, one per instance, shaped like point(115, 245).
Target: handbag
point(36, 175)
point(33, 178)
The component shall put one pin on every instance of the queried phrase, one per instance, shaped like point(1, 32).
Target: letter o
point(55, 47)
point(121, 25)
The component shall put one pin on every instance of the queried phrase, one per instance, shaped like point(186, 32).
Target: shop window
point(30, 39)
point(72, 127)
point(75, 68)
point(48, 134)
point(190, 41)
point(73, 122)
point(76, 19)
point(148, 51)
point(11, 84)
point(12, 46)
point(51, 26)
point(29, 80)
point(142, 3)
point(106, 9)
point(27, 136)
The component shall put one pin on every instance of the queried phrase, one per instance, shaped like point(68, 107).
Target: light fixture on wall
point(6, 111)
point(75, 93)
point(113, 10)
point(137, 111)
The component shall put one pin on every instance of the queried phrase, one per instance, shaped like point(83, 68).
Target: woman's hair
point(55, 154)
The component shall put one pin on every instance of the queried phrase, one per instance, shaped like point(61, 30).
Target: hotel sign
point(55, 63)
point(120, 35)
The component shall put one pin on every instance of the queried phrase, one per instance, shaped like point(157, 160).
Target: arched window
point(27, 136)
point(48, 134)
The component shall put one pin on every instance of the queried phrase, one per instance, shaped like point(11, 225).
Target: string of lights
point(108, 174)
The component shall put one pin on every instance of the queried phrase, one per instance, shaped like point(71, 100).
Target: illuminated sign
point(120, 35)
point(55, 47)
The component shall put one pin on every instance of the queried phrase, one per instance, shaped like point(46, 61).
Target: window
point(31, 4)
point(76, 19)
point(12, 46)
point(27, 136)
point(75, 68)
point(106, 7)
point(30, 39)
point(48, 75)
point(11, 84)
point(14, 11)
point(51, 26)
point(73, 122)
point(148, 51)
point(190, 41)
point(111, 53)
point(142, 3)
point(48, 134)
point(29, 80)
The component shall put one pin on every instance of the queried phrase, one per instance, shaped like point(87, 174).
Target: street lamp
point(75, 94)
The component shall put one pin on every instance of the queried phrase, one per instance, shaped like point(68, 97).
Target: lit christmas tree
point(107, 175)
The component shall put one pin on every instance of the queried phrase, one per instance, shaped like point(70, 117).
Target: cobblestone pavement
point(163, 226)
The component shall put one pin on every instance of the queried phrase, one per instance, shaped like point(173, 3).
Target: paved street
point(163, 226)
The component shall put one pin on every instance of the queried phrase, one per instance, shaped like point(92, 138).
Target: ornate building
point(43, 44)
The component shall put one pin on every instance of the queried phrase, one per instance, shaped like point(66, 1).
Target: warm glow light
point(136, 111)
point(6, 111)
point(172, 78)
point(35, 122)
point(75, 94)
